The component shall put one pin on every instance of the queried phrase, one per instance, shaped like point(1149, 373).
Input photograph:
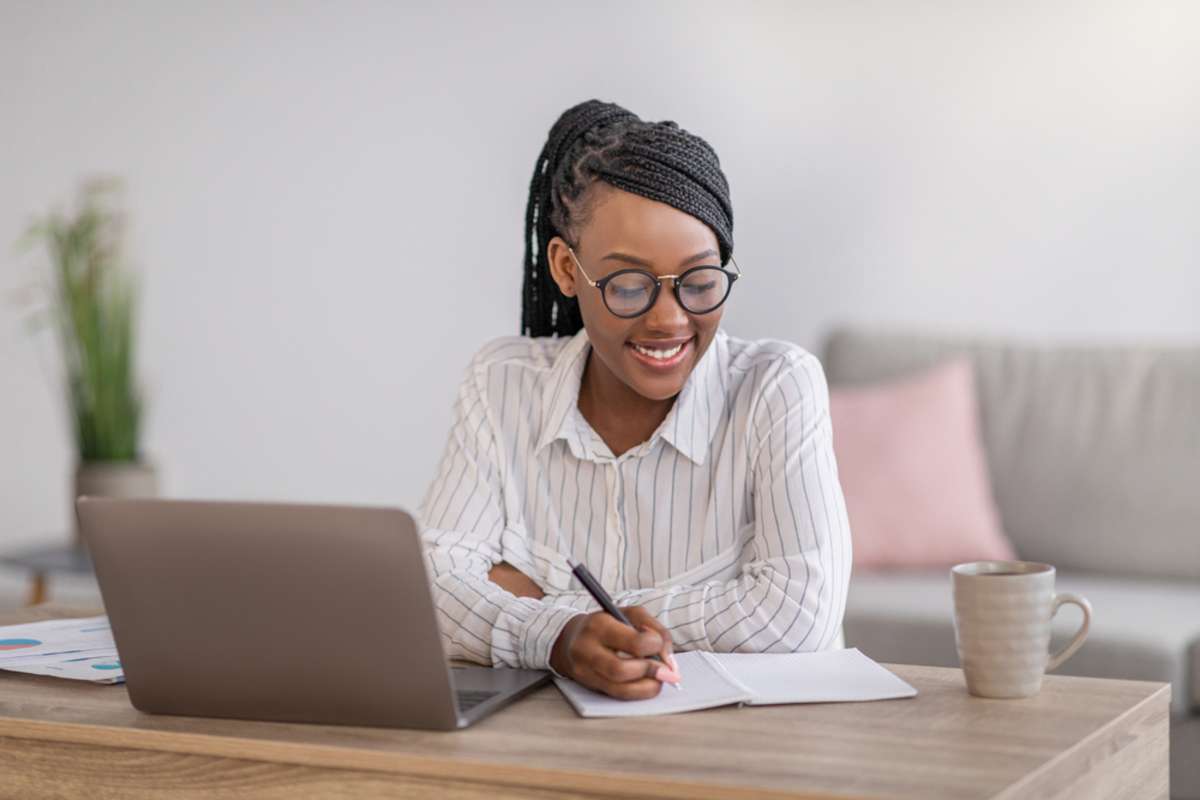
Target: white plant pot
point(113, 479)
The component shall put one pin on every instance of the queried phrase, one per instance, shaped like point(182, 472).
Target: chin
point(657, 390)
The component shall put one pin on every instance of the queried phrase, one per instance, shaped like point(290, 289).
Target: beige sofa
point(1094, 455)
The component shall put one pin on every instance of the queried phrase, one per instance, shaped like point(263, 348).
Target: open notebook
point(718, 679)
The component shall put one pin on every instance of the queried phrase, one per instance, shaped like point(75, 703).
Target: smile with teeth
point(659, 355)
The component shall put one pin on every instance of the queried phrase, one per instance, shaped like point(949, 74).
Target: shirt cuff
point(529, 628)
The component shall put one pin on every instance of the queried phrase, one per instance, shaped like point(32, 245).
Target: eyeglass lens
point(702, 290)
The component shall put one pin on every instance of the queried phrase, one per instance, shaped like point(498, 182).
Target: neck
point(616, 412)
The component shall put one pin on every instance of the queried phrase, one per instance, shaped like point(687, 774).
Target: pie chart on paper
point(17, 644)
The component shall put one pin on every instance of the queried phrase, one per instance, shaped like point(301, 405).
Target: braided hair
point(596, 141)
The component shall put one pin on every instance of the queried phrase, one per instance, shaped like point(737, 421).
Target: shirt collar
point(561, 393)
point(689, 425)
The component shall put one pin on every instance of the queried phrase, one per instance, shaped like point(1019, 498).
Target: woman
point(691, 471)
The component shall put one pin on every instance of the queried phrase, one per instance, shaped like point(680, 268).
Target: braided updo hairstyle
point(596, 141)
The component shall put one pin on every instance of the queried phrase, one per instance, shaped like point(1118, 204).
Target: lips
point(660, 365)
point(660, 344)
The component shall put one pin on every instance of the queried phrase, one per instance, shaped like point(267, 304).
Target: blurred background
point(326, 200)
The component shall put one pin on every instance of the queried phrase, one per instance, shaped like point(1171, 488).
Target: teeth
point(659, 354)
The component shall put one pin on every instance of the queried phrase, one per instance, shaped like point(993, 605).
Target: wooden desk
point(1081, 737)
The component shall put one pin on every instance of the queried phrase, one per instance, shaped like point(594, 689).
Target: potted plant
point(90, 302)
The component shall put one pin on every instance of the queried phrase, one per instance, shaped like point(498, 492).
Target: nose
point(666, 314)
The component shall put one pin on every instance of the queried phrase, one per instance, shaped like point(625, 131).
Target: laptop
point(286, 612)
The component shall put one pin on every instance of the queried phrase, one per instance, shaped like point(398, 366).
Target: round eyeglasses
point(632, 292)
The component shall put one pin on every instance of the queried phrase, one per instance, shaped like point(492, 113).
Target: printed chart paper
point(80, 649)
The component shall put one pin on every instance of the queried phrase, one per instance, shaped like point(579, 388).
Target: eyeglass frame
point(658, 282)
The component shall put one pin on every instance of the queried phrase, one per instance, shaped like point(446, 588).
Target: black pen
point(606, 602)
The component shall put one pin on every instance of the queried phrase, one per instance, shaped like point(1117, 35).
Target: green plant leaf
point(93, 308)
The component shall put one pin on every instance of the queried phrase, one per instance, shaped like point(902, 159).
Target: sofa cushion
point(1142, 629)
point(913, 470)
point(1094, 452)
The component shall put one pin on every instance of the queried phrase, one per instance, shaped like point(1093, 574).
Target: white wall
point(328, 197)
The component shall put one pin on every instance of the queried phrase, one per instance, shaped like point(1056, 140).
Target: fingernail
point(667, 676)
point(671, 661)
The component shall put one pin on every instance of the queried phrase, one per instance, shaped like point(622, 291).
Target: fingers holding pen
point(645, 621)
point(620, 634)
point(603, 653)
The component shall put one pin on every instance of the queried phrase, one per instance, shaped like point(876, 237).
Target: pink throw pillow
point(912, 467)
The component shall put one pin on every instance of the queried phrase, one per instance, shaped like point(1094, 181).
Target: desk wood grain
point(1080, 737)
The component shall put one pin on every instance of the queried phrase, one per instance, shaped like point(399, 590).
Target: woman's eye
point(628, 293)
point(700, 288)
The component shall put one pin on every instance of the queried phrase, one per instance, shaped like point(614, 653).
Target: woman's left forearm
point(512, 580)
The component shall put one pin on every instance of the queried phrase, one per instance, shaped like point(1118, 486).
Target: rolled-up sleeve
point(463, 520)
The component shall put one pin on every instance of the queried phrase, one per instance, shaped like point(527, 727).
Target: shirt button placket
point(614, 536)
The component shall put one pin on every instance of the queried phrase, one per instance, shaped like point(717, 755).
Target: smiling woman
point(692, 471)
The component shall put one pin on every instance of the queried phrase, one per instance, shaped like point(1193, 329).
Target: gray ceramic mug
point(1002, 614)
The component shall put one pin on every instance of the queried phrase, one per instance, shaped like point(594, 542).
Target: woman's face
point(627, 230)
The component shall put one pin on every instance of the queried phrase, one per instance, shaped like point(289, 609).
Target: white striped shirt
point(728, 524)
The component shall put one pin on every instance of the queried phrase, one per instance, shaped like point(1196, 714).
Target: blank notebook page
point(704, 685)
point(824, 676)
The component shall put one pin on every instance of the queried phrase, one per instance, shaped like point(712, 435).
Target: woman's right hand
point(604, 654)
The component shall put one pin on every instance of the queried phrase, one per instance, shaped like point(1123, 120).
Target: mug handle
point(1058, 658)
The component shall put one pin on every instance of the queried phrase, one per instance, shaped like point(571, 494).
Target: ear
point(562, 266)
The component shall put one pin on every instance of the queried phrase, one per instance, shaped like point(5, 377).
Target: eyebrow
point(641, 263)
